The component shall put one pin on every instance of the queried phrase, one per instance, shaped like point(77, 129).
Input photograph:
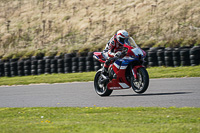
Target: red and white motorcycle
point(124, 72)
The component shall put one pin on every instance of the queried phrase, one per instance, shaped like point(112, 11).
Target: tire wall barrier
point(72, 63)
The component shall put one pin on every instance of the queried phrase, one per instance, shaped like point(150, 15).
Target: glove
point(124, 53)
point(118, 54)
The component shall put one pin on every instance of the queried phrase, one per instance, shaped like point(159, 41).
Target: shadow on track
point(152, 94)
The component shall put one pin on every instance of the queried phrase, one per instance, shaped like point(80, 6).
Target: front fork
point(134, 71)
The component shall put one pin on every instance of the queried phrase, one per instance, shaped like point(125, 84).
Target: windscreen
point(131, 42)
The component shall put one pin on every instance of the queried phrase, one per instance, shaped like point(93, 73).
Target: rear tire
point(141, 84)
point(101, 89)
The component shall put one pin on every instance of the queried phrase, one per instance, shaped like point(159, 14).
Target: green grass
point(48, 78)
point(154, 72)
point(174, 72)
point(100, 120)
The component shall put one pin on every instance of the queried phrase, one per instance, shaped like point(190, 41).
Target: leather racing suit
point(112, 47)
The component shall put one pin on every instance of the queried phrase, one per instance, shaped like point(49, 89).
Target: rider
point(114, 48)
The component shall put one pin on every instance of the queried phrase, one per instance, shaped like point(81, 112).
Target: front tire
point(101, 89)
point(141, 84)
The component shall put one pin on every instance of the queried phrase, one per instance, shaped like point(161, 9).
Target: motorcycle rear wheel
point(101, 89)
point(141, 84)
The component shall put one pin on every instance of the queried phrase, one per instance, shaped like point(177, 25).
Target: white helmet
point(122, 36)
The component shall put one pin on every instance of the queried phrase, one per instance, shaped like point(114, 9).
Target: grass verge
point(98, 120)
point(154, 72)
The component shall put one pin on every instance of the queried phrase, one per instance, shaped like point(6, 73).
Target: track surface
point(179, 92)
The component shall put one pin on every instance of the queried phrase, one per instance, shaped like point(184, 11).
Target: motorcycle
point(125, 71)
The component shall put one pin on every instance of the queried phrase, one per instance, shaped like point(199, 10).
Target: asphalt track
point(179, 92)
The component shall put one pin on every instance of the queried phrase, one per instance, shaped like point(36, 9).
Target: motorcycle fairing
point(119, 67)
point(98, 56)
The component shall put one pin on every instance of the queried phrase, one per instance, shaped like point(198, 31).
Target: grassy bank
point(62, 26)
point(100, 120)
point(154, 72)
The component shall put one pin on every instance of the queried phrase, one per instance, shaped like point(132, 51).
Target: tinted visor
point(123, 40)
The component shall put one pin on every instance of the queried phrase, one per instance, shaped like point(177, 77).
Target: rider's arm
point(111, 47)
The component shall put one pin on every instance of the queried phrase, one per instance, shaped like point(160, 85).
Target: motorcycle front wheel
point(141, 84)
point(101, 89)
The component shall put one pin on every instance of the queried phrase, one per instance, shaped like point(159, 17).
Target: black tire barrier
point(74, 69)
point(195, 56)
point(90, 54)
point(13, 60)
point(89, 68)
point(53, 65)
point(75, 64)
point(81, 59)
point(13, 68)
point(152, 58)
point(82, 69)
point(27, 67)
point(47, 65)
point(7, 69)
point(83, 54)
point(68, 60)
point(47, 69)
point(69, 63)
point(60, 65)
point(168, 57)
point(48, 57)
point(145, 49)
point(36, 58)
point(58, 57)
point(60, 70)
point(97, 65)
point(160, 57)
point(74, 59)
point(176, 57)
point(89, 58)
point(34, 67)
point(156, 48)
point(82, 64)
point(20, 68)
point(185, 57)
point(68, 56)
point(89, 62)
point(40, 66)
point(68, 69)
point(1, 69)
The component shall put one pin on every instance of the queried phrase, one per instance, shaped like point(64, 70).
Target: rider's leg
point(105, 69)
point(106, 65)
